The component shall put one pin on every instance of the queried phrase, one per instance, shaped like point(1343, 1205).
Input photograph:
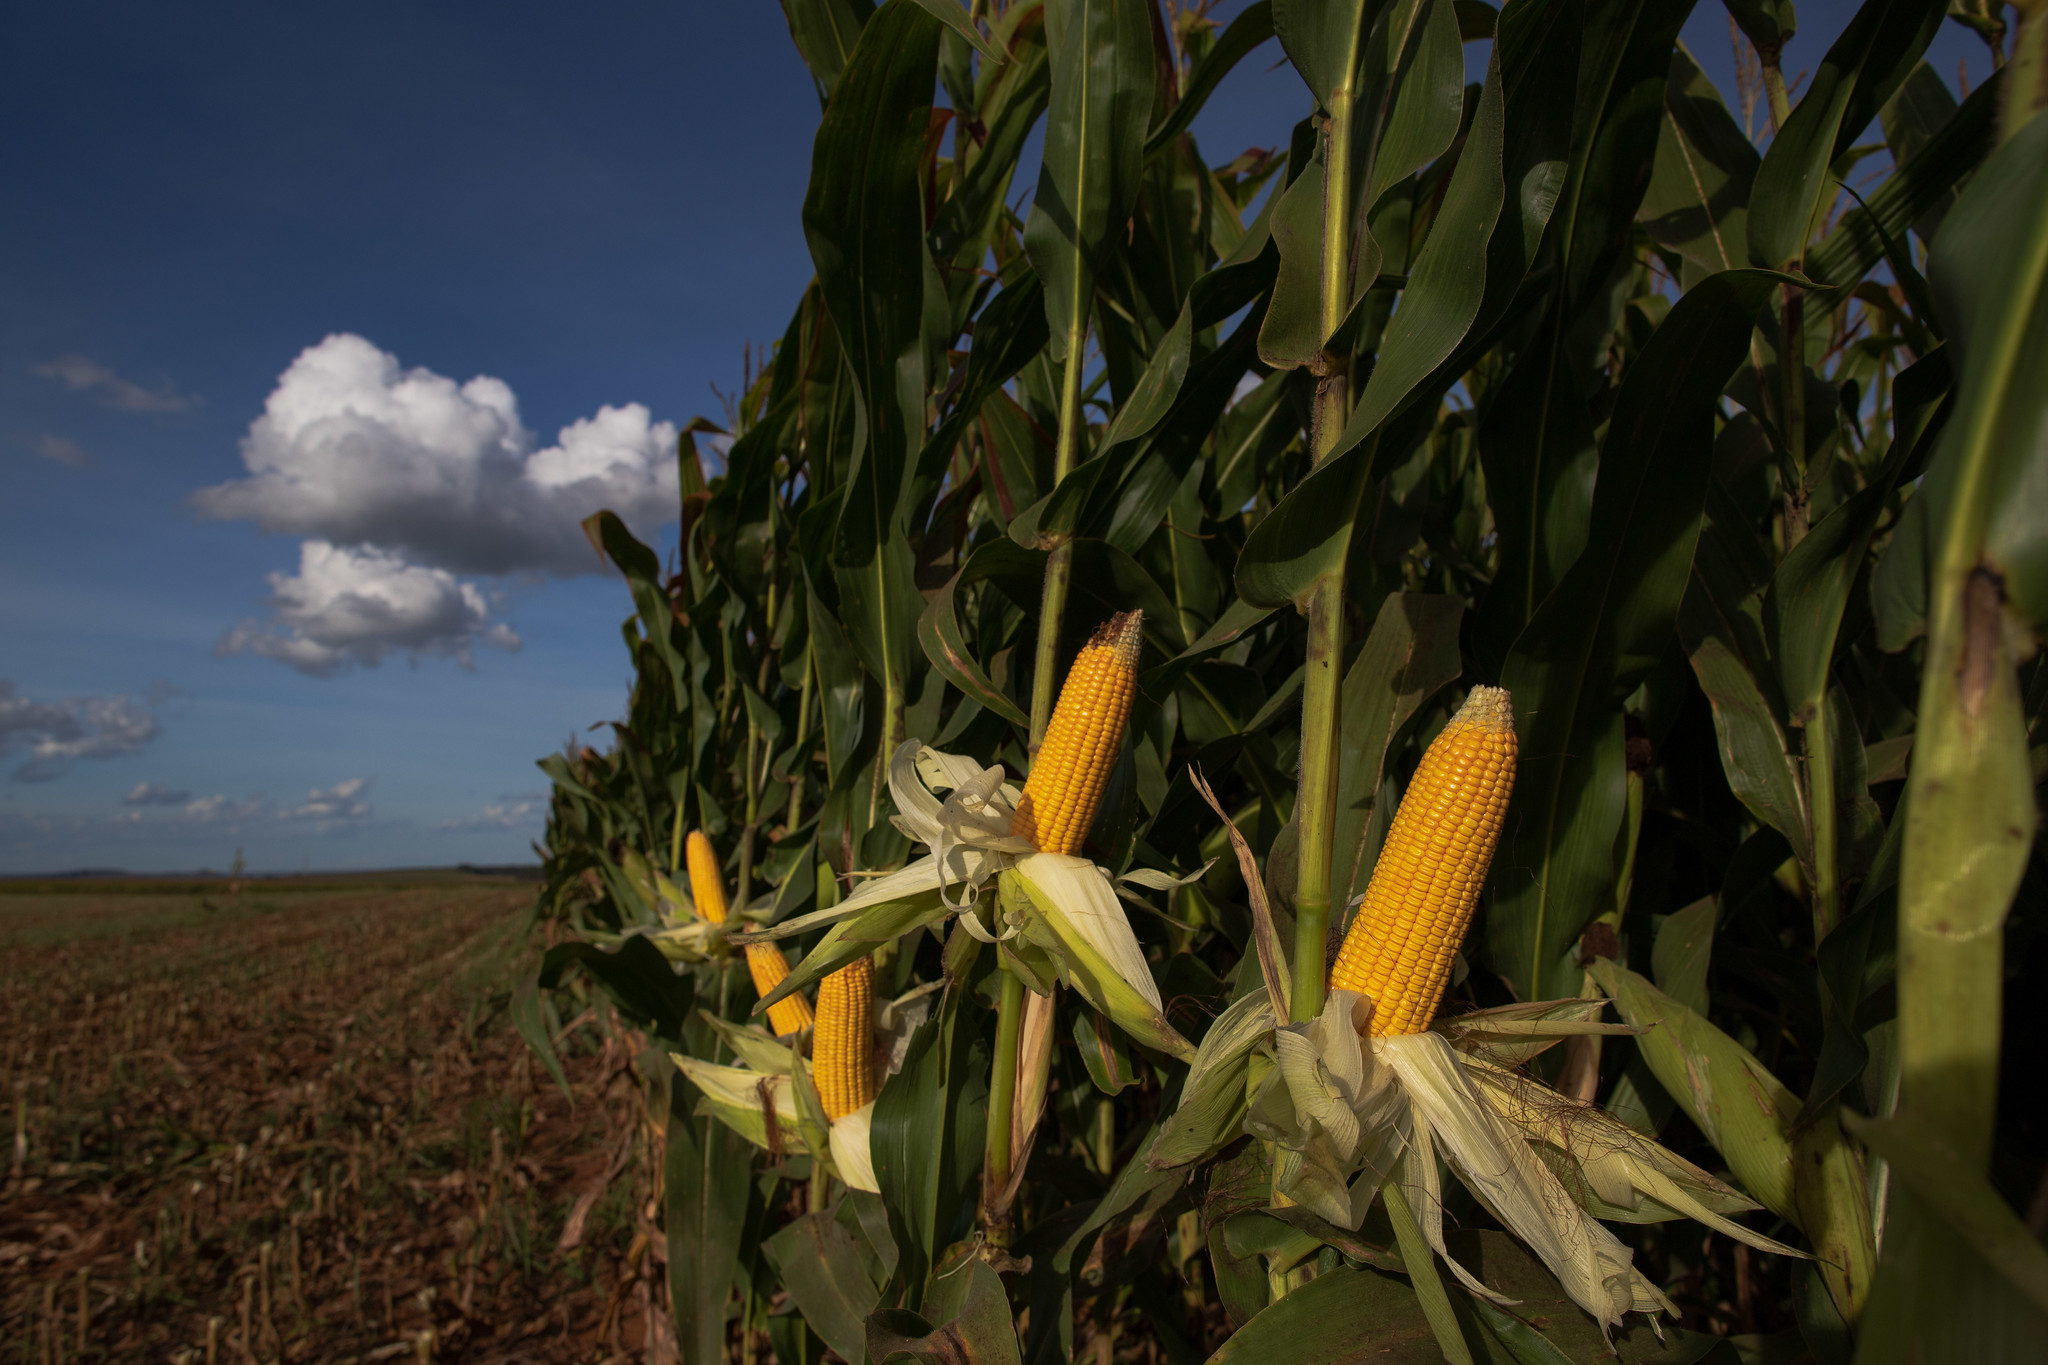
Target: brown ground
point(294, 1124)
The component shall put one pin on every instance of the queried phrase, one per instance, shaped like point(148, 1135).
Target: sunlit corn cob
point(1072, 766)
point(843, 1045)
point(764, 960)
point(1419, 903)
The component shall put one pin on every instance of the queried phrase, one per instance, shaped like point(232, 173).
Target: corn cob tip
point(1124, 633)
point(1487, 708)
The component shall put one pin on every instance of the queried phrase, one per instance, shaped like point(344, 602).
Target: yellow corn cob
point(843, 1047)
point(764, 960)
point(1072, 766)
point(1420, 900)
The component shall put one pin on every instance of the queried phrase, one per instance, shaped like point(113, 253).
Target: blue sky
point(593, 206)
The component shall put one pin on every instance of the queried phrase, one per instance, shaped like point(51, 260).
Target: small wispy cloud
point(81, 374)
point(512, 813)
point(332, 804)
point(60, 450)
point(59, 733)
point(153, 794)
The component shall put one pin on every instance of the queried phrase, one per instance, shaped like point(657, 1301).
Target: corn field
point(293, 1124)
point(1420, 744)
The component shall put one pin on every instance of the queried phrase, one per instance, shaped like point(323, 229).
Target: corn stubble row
point(285, 1134)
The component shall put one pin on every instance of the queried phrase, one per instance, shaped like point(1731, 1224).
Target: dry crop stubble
point(296, 1120)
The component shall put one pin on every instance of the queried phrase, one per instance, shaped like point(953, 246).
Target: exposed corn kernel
point(843, 1046)
point(764, 960)
point(1419, 904)
point(1072, 767)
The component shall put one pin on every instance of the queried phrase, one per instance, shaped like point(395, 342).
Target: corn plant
point(1130, 638)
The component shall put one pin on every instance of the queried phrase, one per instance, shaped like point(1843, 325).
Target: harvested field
point(294, 1124)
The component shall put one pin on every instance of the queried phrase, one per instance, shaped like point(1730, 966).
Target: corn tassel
point(843, 1046)
point(1072, 766)
point(764, 960)
point(1423, 890)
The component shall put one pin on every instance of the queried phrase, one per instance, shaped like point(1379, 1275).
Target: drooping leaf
point(1411, 655)
point(1602, 630)
point(1865, 65)
point(818, 1260)
point(1102, 74)
point(703, 1214)
point(864, 220)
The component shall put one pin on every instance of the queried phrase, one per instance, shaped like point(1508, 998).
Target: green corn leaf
point(1698, 200)
point(1411, 655)
point(978, 1329)
point(1999, 1267)
point(704, 1210)
point(945, 645)
point(1991, 289)
point(1740, 1106)
point(818, 1259)
point(1923, 183)
point(1870, 59)
point(1008, 333)
point(1252, 26)
point(1345, 1317)
point(1102, 76)
point(1603, 629)
point(531, 1021)
point(864, 218)
point(949, 13)
point(636, 976)
point(842, 692)
point(927, 1140)
point(824, 32)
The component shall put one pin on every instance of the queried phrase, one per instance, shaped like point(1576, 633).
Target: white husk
point(1621, 1165)
point(1083, 894)
point(740, 1087)
point(1495, 1162)
point(850, 1149)
point(1335, 1110)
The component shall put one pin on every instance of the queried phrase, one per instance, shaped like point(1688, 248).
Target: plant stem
point(1059, 569)
point(1971, 787)
point(1774, 85)
point(1002, 1099)
point(2026, 76)
point(1105, 1136)
point(1821, 809)
point(798, 765)
point(1315, 807)
point(1792, 415)
point(745, 884)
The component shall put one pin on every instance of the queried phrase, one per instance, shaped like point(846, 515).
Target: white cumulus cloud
point(59, 733)
point(353, 449)
point(155, 794)
point(355, 606)
point(401, 481)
